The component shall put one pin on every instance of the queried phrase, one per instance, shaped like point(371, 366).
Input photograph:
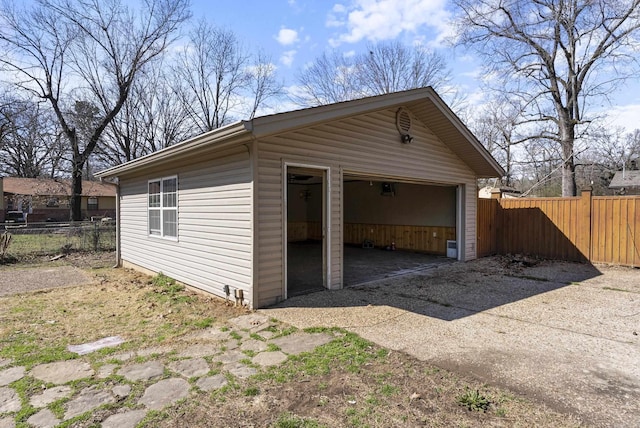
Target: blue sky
point(294, 32)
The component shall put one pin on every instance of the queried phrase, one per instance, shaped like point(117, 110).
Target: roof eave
point(230, 133)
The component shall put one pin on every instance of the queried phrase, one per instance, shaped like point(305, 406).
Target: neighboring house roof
point(625, 179)
point(505, 192)
point(424, 103)
point(54, 187)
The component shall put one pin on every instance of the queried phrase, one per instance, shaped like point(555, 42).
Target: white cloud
point(377, 20)
point(287, 57)
point(287, 36)
point(625, 116)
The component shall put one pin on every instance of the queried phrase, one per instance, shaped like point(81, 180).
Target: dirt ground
point(546, 343)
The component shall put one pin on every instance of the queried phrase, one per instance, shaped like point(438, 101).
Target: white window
point(163, 207)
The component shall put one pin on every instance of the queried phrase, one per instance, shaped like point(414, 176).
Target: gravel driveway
point(13, 281)
point(563, 334)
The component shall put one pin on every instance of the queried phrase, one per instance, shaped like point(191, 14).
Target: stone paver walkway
point(202, 361)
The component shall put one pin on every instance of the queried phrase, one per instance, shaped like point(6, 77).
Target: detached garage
point(273, 206)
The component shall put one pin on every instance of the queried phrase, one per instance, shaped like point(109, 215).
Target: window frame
point(161, 233)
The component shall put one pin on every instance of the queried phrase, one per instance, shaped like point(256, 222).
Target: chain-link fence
point(55, 238)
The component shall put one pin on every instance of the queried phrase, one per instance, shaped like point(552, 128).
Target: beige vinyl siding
point(368, 145)
point(214, 245)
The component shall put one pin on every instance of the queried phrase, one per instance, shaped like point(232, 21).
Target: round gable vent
point(403, 121)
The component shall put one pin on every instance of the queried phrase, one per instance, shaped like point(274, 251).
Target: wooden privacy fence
point(603, 229)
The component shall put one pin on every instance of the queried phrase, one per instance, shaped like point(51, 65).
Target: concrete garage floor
point(361, 265)
point(566, 335)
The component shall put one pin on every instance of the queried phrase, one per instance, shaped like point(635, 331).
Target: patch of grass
point(388, 390)
point(232, 385)
point(289, 420)
point(26, 387)
point(167, 290)
point(153, 417)
point(251, 391)
point(203, 323)
point(256, 336)
point(272, 347)
point(473, 400)
point(348, 352)
point(235, 335)
point(285, 332)
point(27, 350)
point(357, 417)
point(249, 353)
point(58, 408)
point(372, 400)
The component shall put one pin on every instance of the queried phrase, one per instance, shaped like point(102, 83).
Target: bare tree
point(330, 79)
point(383, 68)
point(29, 139)
point(151, 119)
point(263, 84)
point(499, 127)
point(219, 80)
point(391, 67)
point(62, 51)
point(557, 55)
point(610, 150)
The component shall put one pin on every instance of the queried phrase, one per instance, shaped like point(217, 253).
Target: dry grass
point(118, 302)
point(348, 382)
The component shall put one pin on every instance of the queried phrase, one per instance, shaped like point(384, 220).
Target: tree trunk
point(76, 191)
point(569, 179)
point(567, 138)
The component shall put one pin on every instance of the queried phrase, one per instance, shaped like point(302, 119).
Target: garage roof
point(424, 103)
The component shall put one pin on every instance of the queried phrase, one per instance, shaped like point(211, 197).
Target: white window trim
point(162, 208)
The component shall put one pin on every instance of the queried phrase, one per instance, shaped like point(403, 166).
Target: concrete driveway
point(563, 334)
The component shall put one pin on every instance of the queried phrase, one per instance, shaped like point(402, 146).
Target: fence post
point(96, 236)
point(585, 213)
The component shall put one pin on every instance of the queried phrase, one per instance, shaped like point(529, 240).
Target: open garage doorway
point(392, 227)
point(306, 260)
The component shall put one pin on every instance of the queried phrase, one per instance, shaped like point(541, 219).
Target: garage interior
point(390, 228)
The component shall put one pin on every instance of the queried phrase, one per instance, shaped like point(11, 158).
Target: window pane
point(154, 187)
point(169, 185)
point(169, 223)
point(154, 201)
point(154, 222)
point(169, 192)
point(154, 194)
point(169, 200)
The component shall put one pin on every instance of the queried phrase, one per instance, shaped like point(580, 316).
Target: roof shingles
point(54, 187)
